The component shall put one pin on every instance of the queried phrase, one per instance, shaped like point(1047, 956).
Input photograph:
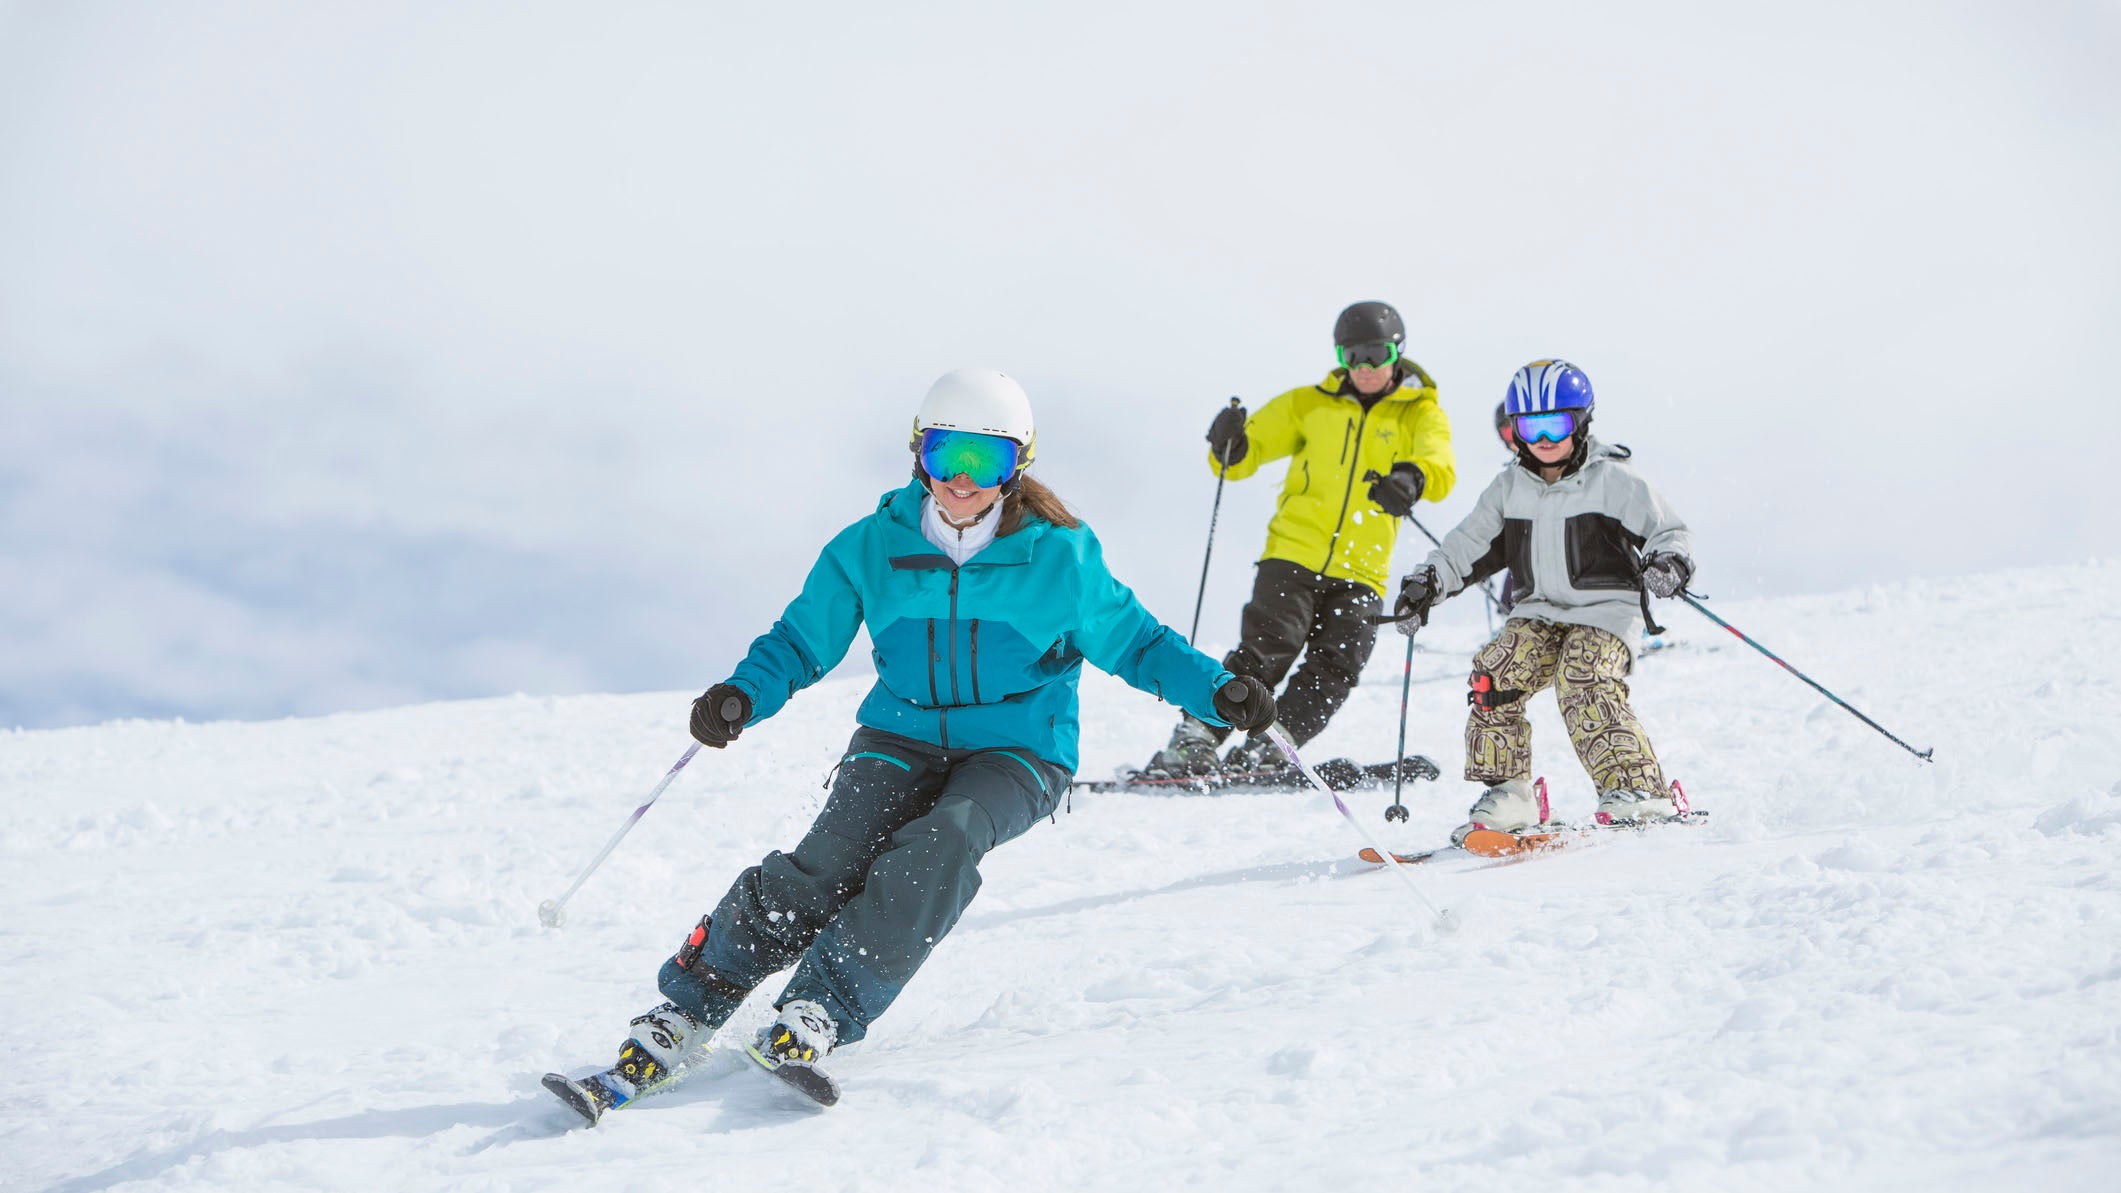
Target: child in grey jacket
point(1568, 520)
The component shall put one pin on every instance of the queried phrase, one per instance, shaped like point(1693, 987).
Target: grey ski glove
point(1418, 594)
point(1665, 573)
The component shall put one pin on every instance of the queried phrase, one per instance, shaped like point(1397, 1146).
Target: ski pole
point(550, 911)
point(1444, 920)
point(1398, 811)
point(1702, 609)
point(1222, 460)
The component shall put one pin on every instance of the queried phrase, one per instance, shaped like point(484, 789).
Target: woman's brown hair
point(1033, 499)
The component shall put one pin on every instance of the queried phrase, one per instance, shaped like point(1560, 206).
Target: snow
point(305, 954)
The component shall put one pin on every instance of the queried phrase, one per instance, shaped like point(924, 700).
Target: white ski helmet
point(982, 400)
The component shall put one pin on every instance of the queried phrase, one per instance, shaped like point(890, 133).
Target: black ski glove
point(1665, 573)
point(1245, 703)
point(720, 714)
point(1418, 594)
point(1397, 492)
point(1226, 436)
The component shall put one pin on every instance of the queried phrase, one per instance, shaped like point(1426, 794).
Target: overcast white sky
point(357, 354)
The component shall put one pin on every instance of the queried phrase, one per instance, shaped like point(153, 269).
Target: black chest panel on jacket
point(1511, 549)
point(1601, 553)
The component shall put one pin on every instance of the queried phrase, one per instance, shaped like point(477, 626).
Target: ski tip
point(1420, 766)
point(813, 1083)
point(1487, 842)
point(1375, 858)
point(570, 1091)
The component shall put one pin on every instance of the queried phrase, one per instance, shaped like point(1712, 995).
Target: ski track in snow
point(305, 955)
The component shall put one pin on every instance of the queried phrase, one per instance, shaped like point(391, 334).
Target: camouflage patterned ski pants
point(1587, 668)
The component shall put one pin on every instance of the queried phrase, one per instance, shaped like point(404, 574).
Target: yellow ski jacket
point(1326, 521)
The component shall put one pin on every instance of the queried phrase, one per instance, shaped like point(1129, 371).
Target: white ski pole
point(1445, 921)
point(550, 912)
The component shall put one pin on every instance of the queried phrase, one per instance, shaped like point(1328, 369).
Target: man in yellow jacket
point(1363, 446)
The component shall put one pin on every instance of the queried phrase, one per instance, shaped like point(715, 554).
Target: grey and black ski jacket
point(1571, 547)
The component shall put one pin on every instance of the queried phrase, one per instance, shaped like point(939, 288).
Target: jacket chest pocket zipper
point(935, 698)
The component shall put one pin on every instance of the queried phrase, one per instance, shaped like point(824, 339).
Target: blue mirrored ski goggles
point(987, 460)
point(1553, 426)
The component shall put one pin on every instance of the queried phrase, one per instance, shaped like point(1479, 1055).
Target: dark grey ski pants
point(882, 875)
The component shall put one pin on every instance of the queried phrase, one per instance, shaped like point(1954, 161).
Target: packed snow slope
point(305, 954)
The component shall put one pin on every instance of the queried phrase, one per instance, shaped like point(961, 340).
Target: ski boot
point(1638, 807)
point(1511, 806)
point(1258, 755)
point(791, 1046)
point(651, 1060)
point(1190, 753)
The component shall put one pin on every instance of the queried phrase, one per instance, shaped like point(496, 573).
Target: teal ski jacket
point(987, 655)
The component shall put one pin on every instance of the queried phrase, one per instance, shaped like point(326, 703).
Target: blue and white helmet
point(1548, 385)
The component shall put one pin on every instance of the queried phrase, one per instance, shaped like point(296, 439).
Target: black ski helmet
point(1369, 323)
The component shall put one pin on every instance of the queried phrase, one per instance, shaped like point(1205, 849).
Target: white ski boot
point(652, 1059)
point(1508, 807)
point(1636, 807)
point(791, 1046)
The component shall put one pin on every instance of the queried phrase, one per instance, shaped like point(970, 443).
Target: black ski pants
point(883, 874)
point(1293, 611)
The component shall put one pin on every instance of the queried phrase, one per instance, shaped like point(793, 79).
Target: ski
point(1405, 859)
point(1341, 774)
point(599, 1094)
point(1547, 836)
point(1553, 836)
point(1487, 842)
point(589, 1096)
point(1543, 839)
point(806, 1079)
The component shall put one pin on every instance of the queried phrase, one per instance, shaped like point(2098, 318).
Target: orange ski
point(1550, 836)
point(1488, 842)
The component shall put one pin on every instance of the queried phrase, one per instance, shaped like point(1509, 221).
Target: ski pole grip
point(732, 709)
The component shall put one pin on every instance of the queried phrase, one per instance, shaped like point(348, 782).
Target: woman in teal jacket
point(983, 597)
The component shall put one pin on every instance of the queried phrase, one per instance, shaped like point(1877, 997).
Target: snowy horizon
point(356, 356)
